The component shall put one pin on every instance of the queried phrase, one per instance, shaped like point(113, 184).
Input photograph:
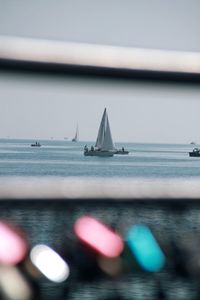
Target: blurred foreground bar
point(56, 57)
point(47, 210)
point(90, 189)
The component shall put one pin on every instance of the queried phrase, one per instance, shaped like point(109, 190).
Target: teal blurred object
point(145, 248)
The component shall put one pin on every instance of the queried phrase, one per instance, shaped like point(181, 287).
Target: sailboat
point(76, 137)
point(104, 145)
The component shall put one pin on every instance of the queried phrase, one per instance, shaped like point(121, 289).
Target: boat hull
point(194, 154)
point(98, 153)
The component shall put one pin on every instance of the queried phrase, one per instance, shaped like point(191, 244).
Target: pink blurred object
point(99, 237)
point(13, 246)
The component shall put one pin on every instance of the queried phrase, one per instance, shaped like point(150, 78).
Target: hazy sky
point(40, 108)
point(140, 23)
point(35, 108)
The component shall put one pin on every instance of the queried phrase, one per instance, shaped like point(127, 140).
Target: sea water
point(65, 158)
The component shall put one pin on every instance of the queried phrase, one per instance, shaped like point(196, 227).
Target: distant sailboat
point(104, 144)
point(76, 137)
point(36, 144)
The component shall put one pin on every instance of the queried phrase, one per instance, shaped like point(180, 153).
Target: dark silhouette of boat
point(122, 151)
point(195, 152)
point(76, 137)
point(36, 144)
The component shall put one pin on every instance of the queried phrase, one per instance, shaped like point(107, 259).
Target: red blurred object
point(13, 246)
point(99, 237)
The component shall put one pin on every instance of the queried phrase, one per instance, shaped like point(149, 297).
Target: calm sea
point(65, 158)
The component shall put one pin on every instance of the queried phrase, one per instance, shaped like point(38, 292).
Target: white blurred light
point(49, 263)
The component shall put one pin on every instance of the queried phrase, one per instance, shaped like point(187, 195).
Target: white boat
point(104, 144)
point(76, 137)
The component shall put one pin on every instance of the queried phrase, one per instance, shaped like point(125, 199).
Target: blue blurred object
point(145, 248)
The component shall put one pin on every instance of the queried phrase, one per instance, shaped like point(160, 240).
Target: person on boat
point(122, 149)
point(92, 148)
point(85, 148)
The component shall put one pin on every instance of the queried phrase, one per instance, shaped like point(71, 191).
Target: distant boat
point(104, 144)
point(192, 143)
point(76, 137)
point(122, 151)
point(36, 144)
point(195, 152)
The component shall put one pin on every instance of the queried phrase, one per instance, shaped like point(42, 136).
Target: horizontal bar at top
point(97, 57)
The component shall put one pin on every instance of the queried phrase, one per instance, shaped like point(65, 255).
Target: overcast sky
point(137, 112)
point(36, 108)
point(139, 23)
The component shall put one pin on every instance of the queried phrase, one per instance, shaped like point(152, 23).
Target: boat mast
point(76, 137)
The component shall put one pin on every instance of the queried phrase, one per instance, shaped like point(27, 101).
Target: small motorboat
point(195, 152)
point(122, 151)
point(37, 144)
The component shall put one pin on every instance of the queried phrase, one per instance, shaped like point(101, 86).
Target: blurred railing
point(55, 57)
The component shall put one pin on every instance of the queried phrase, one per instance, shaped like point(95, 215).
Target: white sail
point(104, 139)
